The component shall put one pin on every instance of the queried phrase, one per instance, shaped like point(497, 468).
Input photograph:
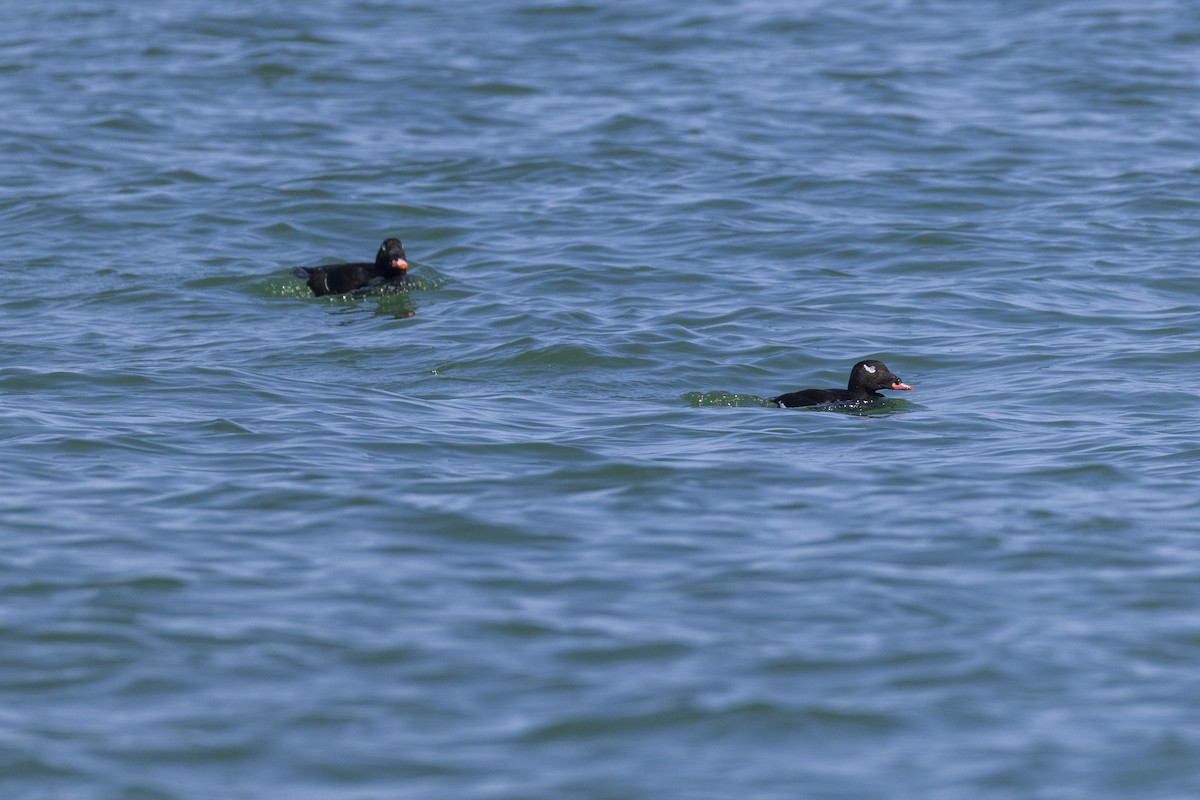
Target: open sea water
point(531, 530)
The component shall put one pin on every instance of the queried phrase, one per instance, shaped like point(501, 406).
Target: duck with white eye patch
point(865, 378)
point(390, 268)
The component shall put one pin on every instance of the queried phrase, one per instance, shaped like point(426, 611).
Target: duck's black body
point(390, 267)
point(865, 378)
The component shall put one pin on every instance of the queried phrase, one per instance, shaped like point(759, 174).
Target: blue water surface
point(531, 530)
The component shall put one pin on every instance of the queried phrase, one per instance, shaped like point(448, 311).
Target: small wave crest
point(728, 399)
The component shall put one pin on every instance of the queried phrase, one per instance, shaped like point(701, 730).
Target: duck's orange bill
point(902, 386)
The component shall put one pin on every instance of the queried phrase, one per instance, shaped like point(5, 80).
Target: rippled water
point(530, 530)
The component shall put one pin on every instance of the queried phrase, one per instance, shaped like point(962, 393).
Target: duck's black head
point(391, 256)
point(871, 375)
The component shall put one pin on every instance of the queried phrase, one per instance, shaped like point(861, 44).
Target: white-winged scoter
point(390, 267)
point(865, 378)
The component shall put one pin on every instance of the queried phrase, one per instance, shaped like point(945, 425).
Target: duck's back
point(340, 278)
point(811, 397)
